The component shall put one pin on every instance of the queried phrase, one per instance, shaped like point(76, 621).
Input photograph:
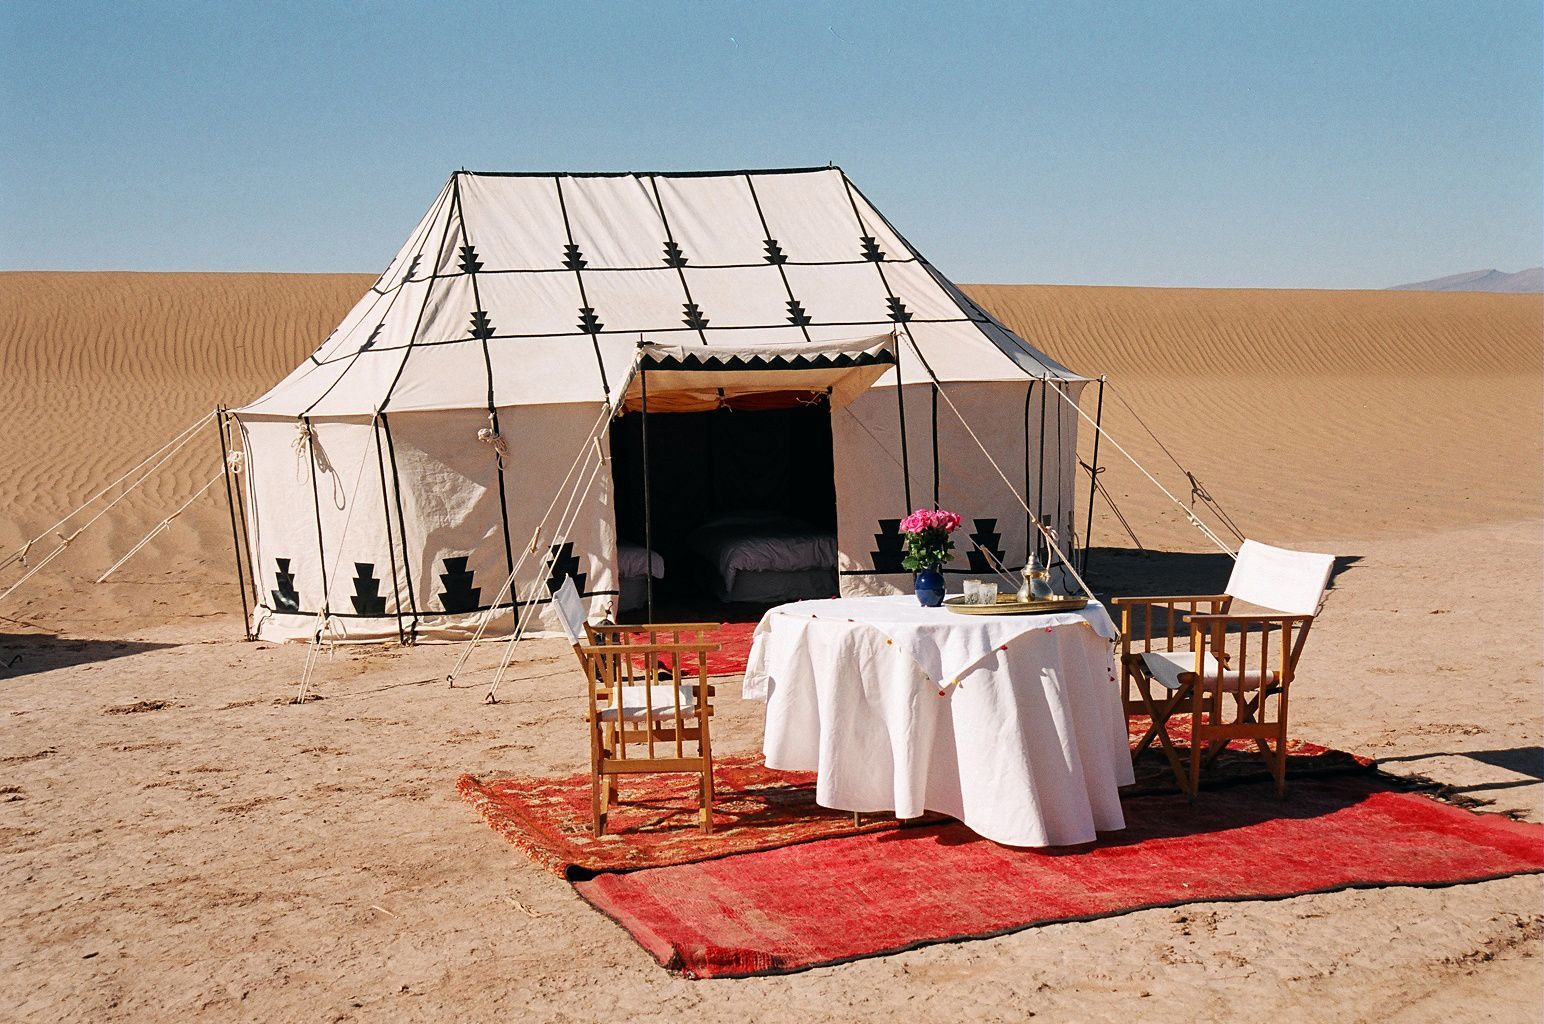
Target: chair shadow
point(23, 654)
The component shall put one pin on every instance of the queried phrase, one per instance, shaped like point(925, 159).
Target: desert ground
point(181, 843)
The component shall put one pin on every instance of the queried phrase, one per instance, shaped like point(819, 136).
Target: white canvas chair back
point(570, 611)
point(1280, 579)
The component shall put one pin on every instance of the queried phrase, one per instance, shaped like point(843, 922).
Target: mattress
point(739, 544)
point(631, 559)
point(753, 587)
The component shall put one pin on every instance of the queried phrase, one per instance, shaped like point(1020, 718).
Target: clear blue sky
point(1340, 144)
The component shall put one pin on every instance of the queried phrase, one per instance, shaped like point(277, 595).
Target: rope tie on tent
point(491, 437)
point(237, 461)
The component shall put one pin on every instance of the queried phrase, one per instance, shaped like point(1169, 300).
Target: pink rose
point(930, 519)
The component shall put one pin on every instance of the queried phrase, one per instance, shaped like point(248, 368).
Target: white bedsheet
point(764, 545)
point(630, 562)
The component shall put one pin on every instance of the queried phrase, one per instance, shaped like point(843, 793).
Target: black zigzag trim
point(794, 362)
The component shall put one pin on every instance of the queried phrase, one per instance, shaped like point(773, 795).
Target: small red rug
point(734, 639)
point(813, 904)
point(756, 808)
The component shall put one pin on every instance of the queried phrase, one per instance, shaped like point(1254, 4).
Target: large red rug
point(812, 904)
point(734, 640)
point(756, 808)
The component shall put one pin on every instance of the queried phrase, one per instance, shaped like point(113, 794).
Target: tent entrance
point(737, 504)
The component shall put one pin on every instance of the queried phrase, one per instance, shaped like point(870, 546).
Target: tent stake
point(230, 506)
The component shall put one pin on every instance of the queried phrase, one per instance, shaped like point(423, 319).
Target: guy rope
point(154, 461)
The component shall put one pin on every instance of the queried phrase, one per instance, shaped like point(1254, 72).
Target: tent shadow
point(23, 654)
point(1126, 571)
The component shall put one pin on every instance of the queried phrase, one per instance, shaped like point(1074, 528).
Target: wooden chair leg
point(707, 799)
point(1160, 715)
point(597, 804)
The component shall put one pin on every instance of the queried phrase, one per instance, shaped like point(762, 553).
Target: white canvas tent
point(452, 431)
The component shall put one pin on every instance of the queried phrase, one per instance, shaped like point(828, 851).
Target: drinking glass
point(972, 591)
point(987, 592)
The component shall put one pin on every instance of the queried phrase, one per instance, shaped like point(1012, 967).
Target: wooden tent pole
point(648, 511)
point(230, 506)
point(1093, 480)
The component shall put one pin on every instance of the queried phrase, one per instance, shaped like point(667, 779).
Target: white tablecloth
point(1012, 724)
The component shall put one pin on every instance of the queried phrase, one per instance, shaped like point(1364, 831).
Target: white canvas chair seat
point(635, 700)
point(1166, 667)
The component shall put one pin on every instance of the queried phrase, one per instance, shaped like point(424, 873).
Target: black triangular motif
point(459, 594)
point(694, 318)
point(470, 264)
point(775, 252)
point(890, 547)
point(986, 536)
point(482, 327)
point(588, 322)
point(871, 249)
point(367, 590)
point(565, 564)
point(573, 259)
point(796, 314)
point(674, 256)
point(898, 311)
point(286, 598)
point(412, 268)
point(373, 335)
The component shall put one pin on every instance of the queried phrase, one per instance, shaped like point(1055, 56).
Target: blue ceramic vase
point(929, 587)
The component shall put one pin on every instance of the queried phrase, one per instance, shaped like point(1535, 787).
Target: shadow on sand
point(24, 654)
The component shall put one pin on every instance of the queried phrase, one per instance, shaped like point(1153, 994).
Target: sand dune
point(1308, 415)
point(224, 856)
point(1314, 418)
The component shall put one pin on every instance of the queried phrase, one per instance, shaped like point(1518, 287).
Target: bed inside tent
point(724, 478)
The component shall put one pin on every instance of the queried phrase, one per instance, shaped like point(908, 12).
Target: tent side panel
point(948, 467)
point(453, 528)
point(316, 505)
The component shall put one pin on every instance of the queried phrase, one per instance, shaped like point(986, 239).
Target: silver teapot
point(1037, 583)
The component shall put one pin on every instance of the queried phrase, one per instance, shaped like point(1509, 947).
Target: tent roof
point(525, 288)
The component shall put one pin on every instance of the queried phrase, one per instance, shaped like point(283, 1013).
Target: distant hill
point(1530, 280)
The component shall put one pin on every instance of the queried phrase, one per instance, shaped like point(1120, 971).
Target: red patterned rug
point(734, 639)
point(813, 904)
point(757, 808)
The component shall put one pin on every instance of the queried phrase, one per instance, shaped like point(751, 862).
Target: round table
point(1011, 724)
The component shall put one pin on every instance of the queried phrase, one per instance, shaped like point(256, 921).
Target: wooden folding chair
point(1232, 678)
point(649, 703)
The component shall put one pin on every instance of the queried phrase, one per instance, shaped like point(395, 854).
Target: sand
point(174, 840)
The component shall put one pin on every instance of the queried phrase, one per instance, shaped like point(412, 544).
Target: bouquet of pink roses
point(927, 538)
